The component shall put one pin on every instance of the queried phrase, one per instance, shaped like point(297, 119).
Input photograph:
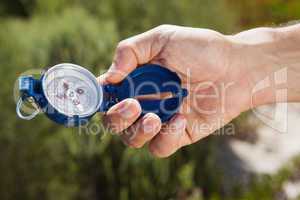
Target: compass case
point(152, 79)
point(70, 95)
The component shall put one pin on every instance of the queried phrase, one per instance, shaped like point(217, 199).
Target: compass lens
point(72, 90)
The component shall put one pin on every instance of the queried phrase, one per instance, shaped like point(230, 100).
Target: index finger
point(132, 52)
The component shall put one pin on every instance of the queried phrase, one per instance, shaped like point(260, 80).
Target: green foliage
point(39, 159)
point(267, 12)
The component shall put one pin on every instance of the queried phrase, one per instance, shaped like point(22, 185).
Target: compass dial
point(72, 90)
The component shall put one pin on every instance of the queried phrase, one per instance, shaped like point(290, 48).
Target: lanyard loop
point(22, 115)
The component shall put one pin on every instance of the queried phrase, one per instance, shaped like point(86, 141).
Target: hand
point(210, 67)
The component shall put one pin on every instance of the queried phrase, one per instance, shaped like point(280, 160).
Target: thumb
point(134, 51)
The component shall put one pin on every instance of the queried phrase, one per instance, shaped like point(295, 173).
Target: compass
point(70, 94)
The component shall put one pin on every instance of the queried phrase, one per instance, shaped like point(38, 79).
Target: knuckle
point(165, 27)
point(157, 152)
point(125, 45)
point(130, 138)
point(134, 144)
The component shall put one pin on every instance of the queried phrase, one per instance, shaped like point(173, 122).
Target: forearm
point(270, 58)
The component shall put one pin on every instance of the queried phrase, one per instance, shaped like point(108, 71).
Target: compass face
point(72, 90)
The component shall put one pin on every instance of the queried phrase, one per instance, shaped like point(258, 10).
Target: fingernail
point(112, 69)
point(102, 79)
point(149, 124)
point(128, 109)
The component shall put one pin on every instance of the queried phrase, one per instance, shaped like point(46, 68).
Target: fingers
point(134, 51)
point(142, 131)
point(171, 137)
point(122, 115)
point(163, 141)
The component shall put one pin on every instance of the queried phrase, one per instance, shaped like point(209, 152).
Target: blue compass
point(70, 94)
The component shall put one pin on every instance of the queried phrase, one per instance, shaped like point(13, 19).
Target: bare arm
point(226, 75)
point(270, 54)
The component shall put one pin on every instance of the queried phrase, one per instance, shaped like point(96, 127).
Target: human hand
point(210, 67)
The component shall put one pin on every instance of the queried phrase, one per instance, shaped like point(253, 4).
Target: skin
point(220, 72)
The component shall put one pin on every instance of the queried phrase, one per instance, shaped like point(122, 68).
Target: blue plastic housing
point(152, 79)
point(144, 80)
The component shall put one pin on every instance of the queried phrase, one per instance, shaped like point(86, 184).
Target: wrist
point(264, 57)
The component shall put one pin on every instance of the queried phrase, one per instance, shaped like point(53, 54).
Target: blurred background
point(42, 160)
